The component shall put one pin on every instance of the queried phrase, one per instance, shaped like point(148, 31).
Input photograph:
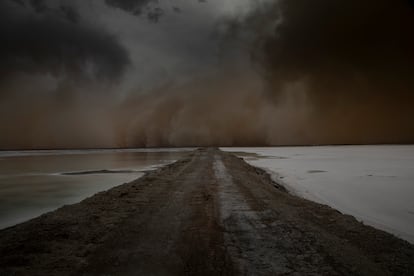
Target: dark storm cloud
point(284, 72)
point(352, 60)
point(149, 8)
point(134, 6)
point(139, 7)
point(40, 39)
point(371, 38)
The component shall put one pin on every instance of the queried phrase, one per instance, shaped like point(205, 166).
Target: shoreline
point(211, 146)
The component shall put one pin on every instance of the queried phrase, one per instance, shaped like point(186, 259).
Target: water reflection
point(35, 182)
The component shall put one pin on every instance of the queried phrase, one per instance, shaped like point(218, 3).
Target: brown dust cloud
point(108, 74)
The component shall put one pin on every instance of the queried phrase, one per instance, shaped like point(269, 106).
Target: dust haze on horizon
point(146, 73)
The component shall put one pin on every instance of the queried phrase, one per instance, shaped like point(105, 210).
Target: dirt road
point(208, 214)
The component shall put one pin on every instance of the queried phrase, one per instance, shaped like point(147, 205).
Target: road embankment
point(207, 214)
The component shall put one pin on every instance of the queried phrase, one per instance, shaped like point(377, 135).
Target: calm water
point(34, 182)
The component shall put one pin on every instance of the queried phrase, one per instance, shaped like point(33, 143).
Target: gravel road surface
point(207, 214)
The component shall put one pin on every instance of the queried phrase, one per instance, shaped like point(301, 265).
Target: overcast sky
point(136, 73)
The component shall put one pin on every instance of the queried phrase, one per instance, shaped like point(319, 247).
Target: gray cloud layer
point(231, 72)
point(38, 39)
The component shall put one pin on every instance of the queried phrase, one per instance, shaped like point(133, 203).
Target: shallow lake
point(35, 182)
point(373, 183)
